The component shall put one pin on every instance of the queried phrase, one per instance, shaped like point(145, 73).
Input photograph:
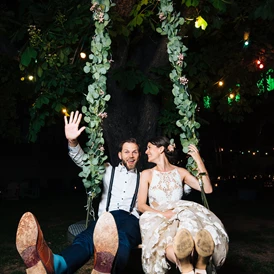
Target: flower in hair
point(171, 145)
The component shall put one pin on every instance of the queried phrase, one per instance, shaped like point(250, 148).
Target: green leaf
point(28, 54)
point(58, 107)
point(149, 87)
point(91, 124)
point(107, 97)
point(61, 56)
point(42, 100)
point(96, 75)
point(94, 161)
point(39, 71)
point(219, 4)
point(178, 123)
point(138, 20)
point(193, 3)
point(87, 119)
point(159, 30)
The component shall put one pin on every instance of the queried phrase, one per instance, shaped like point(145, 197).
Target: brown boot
point(183, 245)
point(32, 247)
point(106, 243)
point(204, 246)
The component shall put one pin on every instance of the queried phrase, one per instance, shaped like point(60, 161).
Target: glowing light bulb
point(65, 112)
point(246, 35)
point(220, 83)
point(83, 55)
point(30, 77)
point(231, 95)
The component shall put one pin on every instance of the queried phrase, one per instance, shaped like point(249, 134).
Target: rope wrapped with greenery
point(100, 61)
point(170, 26)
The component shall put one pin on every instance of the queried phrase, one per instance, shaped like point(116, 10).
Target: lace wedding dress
point(166, 192)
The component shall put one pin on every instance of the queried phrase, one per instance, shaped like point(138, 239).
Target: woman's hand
point(168, 214)
point(194, 153)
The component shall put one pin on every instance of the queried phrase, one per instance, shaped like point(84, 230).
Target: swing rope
point(203, 195)
point(98, 65)
point(171, 21)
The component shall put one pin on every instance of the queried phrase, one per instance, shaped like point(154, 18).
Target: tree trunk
point(132, 113)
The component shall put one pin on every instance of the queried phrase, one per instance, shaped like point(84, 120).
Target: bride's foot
point(183, 245)
point(204, 246)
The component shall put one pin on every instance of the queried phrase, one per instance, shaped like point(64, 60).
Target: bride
point(174, 230)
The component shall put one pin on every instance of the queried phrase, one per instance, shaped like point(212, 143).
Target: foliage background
point(138, 80)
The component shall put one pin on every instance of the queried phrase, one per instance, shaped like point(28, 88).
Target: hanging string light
point(231, 95)
point(246, 38)
point(260, 64)
point(220, 83)
point(65, 111)
point(83, 55)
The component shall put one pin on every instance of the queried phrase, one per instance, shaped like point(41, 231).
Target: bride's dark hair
point(169, 149)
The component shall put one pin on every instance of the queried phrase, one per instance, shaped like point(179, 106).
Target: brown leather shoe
point(106, 243)
point(32, 247)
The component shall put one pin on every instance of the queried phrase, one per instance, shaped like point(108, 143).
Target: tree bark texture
point(133, 113)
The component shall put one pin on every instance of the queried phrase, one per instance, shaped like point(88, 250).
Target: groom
point(116, 230)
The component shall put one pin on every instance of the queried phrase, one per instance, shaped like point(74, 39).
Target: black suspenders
point(110, 187)
point(133, 202)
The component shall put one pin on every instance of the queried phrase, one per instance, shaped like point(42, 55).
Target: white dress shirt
point(124, 184)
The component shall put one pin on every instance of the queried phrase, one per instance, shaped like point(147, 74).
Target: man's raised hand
point(72, 130)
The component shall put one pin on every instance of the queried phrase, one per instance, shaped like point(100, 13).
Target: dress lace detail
point(165, 187)
point(165, 192)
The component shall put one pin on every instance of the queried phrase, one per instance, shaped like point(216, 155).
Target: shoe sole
point(183, 244)
point(26, 239)
point(204, 243)
point(106, 241)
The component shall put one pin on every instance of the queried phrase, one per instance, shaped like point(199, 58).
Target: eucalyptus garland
point(97, 97)
point(170, 26)
point(170, 23)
